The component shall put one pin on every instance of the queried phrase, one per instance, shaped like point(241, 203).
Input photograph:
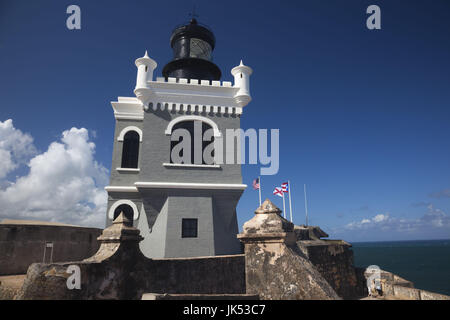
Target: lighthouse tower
point(183, 202)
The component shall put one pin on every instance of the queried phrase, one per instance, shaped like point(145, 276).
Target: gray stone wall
point(162, 214)
point(155, 150)
point(164, 208)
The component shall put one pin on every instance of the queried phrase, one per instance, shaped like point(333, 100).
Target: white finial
point(146, 54)
point(241, 64)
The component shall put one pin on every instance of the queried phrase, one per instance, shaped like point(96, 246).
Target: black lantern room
point(192, 46)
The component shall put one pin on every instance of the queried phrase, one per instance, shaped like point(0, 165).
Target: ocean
point(424, 262)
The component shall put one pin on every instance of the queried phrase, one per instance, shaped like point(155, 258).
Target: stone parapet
point(395, 287)
point(275, 268)
point(334, 260)
point(120, 271)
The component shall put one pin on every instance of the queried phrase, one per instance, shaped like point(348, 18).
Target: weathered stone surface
point(334, 260)
point(309, 233)
point(426, 295)
point(165, 296)
point(267, 220)
point(406, 293)
point(120, 271)
point(395, 287)
point(10, 286)
point(275, 268)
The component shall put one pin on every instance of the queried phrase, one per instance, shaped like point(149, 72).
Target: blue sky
point(364, 115)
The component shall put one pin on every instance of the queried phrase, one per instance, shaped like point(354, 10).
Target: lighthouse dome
point(192, 46)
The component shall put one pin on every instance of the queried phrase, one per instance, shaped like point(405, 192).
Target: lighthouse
point(183, 203)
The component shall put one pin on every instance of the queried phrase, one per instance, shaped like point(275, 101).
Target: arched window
point(130, 150)
point(191, 126)
point(127, 211)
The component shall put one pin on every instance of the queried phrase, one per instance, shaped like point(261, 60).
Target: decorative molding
point(176, 107)
point(192, 118)
point(126, 116)
point(128, 108)
point(195, 82)
point(128, 169)
point(190, 92)
point(134, 110)
point(118, 203)
point(121, 189)
point(129, 128)
point(186, 165)
point(184, 185)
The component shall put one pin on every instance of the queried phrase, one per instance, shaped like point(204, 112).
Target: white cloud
point(436, 217)
point(15, 147)
point(64, 184)
point(369, 223)
point(434, 222)
point(380, 217)
point(6, 163)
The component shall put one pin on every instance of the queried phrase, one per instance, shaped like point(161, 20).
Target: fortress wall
point(276, 271)
point(427, 295)
point(334, 260)
point(128, 275)
point(23, 244)
point(395, 287)
point(401, 291)
point(197, 275)
point(275, 267)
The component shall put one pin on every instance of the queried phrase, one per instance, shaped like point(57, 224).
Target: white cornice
point(193, 108)
point(196, 186)
point(136, 170)
point(128, 108)
point(184, 165)
point(121, 189)
point(201, 93)
point(176, 185)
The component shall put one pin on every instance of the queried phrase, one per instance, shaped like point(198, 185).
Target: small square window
point(189, 228)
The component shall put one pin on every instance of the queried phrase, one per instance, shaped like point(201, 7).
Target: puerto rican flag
point(256, 184)
point(278, 192)
point(285, 187)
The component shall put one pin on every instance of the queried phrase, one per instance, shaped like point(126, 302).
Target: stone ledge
point(166, 296)
point(273, 237)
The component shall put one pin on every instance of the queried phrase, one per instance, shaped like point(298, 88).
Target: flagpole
point(306, 204)
point(259, 178)
point(284, 207)
point(290, 204)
